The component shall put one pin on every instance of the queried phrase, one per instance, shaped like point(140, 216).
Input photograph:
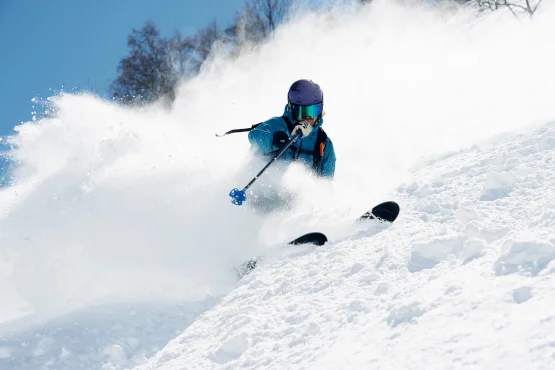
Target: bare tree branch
point(153, 67)
point(258, 20)
point(203, 44)
point(517, 7)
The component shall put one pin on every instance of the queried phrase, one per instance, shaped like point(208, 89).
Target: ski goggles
point(302, 111)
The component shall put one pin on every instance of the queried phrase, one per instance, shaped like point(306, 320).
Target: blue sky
point(49, 45)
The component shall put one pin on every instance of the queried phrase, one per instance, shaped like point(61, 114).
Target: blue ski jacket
point(302, 150)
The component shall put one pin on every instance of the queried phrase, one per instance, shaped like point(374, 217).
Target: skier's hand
point(279, 139)
point(304, 127)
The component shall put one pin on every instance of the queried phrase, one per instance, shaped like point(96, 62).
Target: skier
point(303, 114)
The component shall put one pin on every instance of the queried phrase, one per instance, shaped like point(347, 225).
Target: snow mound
point(530, 256)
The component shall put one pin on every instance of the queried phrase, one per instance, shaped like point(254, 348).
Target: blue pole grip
point(238, 196)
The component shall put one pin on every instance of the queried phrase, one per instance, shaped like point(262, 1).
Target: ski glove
point(279, 139)
point(304, 127)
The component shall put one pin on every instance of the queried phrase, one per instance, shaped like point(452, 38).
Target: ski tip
point(386, 211)
point(311, 238)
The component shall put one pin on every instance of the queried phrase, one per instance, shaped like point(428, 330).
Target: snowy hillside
point(118, 241)
point(463, 279)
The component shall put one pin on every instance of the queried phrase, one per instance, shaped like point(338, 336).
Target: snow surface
point(118, 241)
point(458, 281)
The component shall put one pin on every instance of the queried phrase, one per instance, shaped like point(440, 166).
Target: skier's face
point(310, 120)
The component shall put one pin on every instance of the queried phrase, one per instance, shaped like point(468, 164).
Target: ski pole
point(239, 196)
point(237, 130)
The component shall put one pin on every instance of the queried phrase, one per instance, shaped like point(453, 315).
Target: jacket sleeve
point(328, 161)
point(261, 137)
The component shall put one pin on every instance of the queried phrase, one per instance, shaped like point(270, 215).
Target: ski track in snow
point(472, 252)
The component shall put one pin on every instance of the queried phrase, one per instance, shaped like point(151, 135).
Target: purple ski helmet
point(305, 92)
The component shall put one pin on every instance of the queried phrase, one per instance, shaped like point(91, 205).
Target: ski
point(387, 211)
point(383, 212)
point(310, 238)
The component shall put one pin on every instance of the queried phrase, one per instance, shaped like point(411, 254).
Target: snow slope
point(464, 279)
point(117, 235)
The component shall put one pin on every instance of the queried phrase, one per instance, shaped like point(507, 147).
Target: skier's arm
point(262, 137)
